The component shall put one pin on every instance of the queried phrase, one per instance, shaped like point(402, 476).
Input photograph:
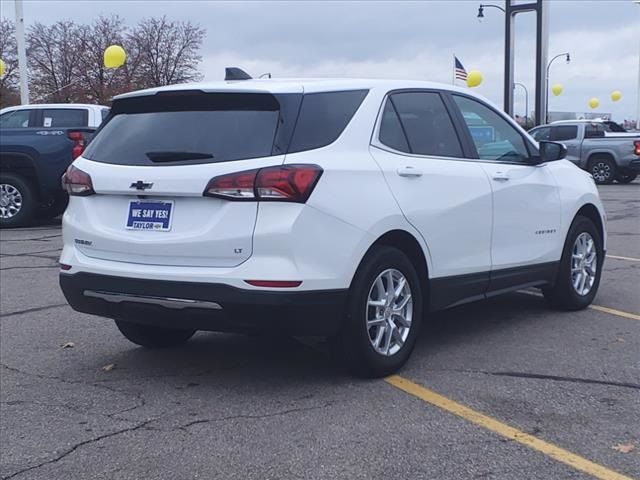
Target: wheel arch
point(20, 164)
point(413, 249)
point(590, 211)
point(600, 154)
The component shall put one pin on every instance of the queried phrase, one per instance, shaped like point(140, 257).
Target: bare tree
point(66, 59)
point(9, 55)
point(53, 52)
point(168, 51)
point(99, 83)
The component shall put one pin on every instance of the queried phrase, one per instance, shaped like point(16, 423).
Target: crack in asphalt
point(557, 378)
point(28, 254)
point(29, 268)
point(540, 376)
point(141, 402)
point(252, 417)
point(37, 239)
point(32, 310)
point(78, 445)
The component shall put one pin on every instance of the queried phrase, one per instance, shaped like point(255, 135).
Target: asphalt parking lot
point(558, 393)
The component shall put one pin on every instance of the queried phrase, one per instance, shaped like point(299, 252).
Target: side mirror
point(551, 151)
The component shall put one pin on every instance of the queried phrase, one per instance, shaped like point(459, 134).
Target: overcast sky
point(399, 39)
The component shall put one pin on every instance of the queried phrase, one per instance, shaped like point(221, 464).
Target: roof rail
point(235, 73)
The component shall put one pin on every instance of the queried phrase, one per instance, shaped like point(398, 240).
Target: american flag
point(461, 73)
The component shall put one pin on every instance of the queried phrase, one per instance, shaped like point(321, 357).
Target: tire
point(624, 179)
point(354, 344)
point(57, 207)
point(153, 337)
point(563, 294)
point(603, 170)
point(17, 201)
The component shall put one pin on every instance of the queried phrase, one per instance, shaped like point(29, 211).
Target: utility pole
point(22, 54)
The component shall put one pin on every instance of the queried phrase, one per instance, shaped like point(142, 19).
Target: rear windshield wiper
point(170, 156)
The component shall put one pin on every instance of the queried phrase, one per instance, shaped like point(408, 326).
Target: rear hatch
point(150, 163)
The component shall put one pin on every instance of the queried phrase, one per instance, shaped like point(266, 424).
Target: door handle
point(409, 172)
point(501, 177)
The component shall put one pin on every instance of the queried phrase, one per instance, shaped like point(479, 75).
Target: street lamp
point(526, 101)
point(568, 57)
point(483, 6)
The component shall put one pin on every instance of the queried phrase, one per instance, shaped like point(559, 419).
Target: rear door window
point(564, 132)
point(542, 133)
point(65, 117)
point(16, 119)
point(391, 133)
point(323, 117)
point(594, 130)
point(195, 127)
point(427, 123)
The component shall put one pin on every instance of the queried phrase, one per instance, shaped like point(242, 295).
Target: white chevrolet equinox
point(347, 209)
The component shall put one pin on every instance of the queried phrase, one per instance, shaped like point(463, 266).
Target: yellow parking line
point(630, 259)
point(613, 311)
point(599, 308)
point(553, 451)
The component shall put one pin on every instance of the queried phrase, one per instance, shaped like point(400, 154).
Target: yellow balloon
point(114, 56)
point(1, 68)
point(556, 89)
point(474, 78)
point(594, 102)
point(616, 95)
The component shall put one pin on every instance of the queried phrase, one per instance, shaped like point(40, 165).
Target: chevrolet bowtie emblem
point(140, 185)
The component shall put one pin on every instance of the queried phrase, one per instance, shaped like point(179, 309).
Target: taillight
point(76, 182)
point(234, 186)
point(78, 148)
point(283, 183)
point(636, 149)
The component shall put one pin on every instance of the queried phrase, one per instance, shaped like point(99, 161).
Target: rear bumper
point(205, 306)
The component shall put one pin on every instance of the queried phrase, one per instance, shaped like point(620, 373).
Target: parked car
point(37, 144)
point(610, 128)
point(337, 208)
point(607, 156)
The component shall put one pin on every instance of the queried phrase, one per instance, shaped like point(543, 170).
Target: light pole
point(546, 112)
point(637, 2)
point(511, 9)
point(526, 101)
point(22, 54)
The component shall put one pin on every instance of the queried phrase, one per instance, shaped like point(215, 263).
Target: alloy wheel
point(584, 264)
point(389, 312)
point(601, 171)
point(10, 201)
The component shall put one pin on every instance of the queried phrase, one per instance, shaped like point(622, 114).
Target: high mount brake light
point(80, 144)
point(77, 183)
point(282, 183)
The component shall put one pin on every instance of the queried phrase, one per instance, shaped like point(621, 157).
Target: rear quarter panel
point(353, 190)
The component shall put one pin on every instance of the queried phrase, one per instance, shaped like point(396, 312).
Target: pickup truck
point(37, 144)
point(607, 156)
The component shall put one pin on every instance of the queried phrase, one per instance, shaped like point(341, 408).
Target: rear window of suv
point(187, 127)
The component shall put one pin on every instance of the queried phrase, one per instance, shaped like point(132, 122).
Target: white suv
point(339, 208)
